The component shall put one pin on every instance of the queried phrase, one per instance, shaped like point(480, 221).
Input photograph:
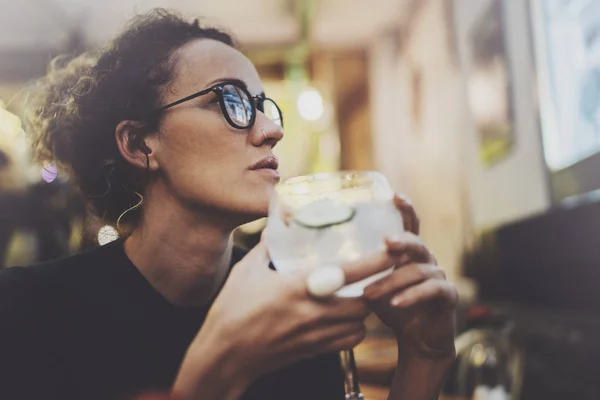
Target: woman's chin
point(251, 212)
point(258, 212)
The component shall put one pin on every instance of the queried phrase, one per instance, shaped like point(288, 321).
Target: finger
point(408, 247)
point(401, 203)
point(345, 343)
point(336, 309)
point(402, 278)
point(332, 311)
point(409, 215)
point(322, 337)
point(313, 318)
point(366, 266)
point(432, 289)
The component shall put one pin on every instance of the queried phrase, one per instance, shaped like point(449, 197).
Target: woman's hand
point(263, 320)
point(415, 301)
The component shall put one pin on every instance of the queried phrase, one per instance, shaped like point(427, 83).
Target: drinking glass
point(329, 219)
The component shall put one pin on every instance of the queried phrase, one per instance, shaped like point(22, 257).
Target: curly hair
point(74, 110)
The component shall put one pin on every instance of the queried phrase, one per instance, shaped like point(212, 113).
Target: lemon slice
point(323, 214)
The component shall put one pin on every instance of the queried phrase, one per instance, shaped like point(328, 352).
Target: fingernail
point(368, 292)
point(404, 198)
point(396, 301)
point(394, 239)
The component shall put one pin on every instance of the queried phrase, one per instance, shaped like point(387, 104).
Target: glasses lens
point(272, 112)
point(238, 105)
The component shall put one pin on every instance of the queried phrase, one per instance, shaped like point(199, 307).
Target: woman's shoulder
point(21, 286)
point(15, 288)
point(38, 311)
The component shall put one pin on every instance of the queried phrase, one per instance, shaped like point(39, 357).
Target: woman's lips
point(270, 162)
point(268, 167)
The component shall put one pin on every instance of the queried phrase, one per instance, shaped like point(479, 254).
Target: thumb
point(366, 266)
point(354, 271)
point(257, 257)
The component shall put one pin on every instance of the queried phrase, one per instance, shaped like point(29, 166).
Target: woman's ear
point(134, 146)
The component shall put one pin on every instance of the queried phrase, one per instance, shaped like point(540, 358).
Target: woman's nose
point(267, 131)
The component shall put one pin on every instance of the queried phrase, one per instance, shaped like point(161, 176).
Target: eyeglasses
point(237, 104)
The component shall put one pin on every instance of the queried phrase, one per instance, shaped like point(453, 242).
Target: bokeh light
point(107, 234)
point(49, 173)
point(310, 105)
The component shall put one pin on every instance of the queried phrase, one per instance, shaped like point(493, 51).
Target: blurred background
point(485, 113)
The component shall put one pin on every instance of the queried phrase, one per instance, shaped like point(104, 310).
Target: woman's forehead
point(203, 62)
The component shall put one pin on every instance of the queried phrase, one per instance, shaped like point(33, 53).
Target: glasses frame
point(256, 103)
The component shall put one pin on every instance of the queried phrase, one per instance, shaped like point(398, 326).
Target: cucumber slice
point(323, 214)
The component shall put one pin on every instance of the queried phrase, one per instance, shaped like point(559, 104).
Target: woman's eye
point(214, 101)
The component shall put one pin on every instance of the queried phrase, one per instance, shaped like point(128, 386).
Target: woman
point(167, 131)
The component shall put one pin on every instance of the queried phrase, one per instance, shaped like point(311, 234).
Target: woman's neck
point(183, 255)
